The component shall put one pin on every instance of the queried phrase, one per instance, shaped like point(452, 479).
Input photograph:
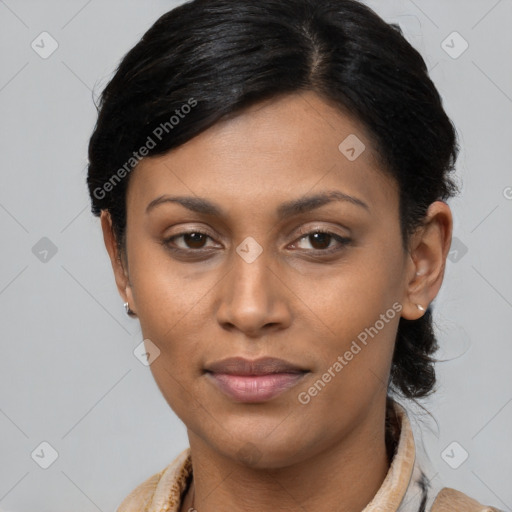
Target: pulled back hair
point(224, 55)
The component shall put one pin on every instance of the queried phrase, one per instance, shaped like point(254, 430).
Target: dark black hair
point(208, 59)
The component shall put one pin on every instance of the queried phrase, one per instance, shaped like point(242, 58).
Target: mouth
point(260, 380)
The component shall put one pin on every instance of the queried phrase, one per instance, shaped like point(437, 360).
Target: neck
point(344, 477)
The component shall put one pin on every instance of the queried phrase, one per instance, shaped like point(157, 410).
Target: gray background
point(68, 373)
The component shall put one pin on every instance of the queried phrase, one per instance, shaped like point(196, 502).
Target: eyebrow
point(294, 207)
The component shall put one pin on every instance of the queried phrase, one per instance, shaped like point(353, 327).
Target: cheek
point(162, 293)
point(173, 321)
point(355, 312)
point(352, 297)
point(171, 311)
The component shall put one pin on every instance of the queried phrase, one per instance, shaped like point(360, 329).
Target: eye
point(321, 240)
point(193, 240)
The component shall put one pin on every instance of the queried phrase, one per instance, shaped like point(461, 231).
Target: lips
point(254, 381)
point(262, 366)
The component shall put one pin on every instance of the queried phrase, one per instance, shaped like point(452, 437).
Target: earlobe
point(413, 311)
point(428, 250)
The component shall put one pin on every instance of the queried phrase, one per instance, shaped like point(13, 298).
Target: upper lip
point(262, 366)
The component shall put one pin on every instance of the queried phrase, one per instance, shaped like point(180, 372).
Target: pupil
point(194, 240)
point(323, 237)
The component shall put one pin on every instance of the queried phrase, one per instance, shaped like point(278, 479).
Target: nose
point(253, 297)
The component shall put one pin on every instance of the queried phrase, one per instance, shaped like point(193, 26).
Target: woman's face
point(255, 284)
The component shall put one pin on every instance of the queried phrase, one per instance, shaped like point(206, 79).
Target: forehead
point(285, 146)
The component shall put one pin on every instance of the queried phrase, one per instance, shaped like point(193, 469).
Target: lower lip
point(255, 388)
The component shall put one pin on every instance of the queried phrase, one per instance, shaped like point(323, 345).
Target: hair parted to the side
point(228, 54)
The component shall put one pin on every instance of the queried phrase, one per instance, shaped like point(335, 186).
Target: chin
point(263, 453)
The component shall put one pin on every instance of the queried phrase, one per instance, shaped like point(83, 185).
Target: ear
point(119, 263)
point(426, 261)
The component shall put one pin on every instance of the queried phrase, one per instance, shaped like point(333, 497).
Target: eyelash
point(303, 234)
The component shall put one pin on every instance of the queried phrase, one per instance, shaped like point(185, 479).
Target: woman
point(271, 180)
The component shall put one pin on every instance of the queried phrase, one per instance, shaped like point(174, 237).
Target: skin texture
point(291, 302)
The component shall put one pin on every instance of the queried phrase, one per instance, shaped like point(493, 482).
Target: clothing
point(405, 488)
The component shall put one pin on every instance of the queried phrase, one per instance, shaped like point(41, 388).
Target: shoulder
point(448, 500)
point(141, 496)
point(160, 489)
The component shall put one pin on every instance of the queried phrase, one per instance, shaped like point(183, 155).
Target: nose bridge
point(251, 269)
point(250, 292)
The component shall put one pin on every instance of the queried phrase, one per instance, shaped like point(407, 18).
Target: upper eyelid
point(313, 225)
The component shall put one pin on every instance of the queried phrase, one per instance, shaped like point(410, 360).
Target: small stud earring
point(127, 309)
point(420, 307)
